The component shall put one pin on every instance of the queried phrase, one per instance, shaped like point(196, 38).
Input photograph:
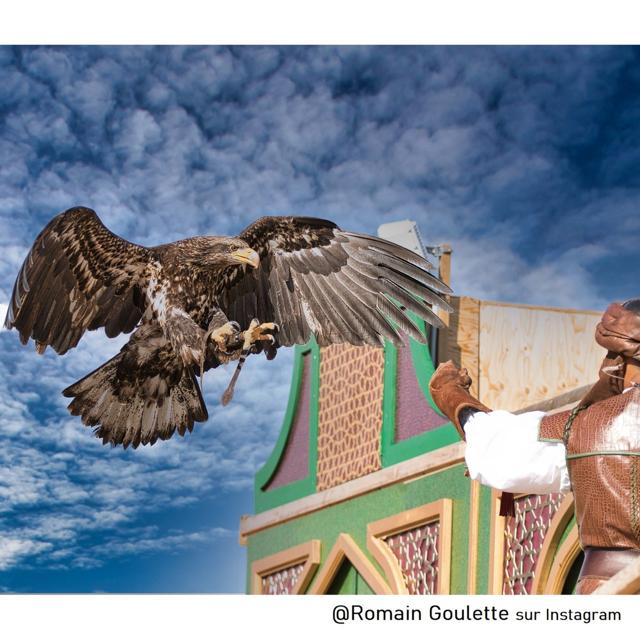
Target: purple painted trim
point(414, 414)
point(294, 463)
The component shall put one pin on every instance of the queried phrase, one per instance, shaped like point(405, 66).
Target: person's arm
point(503, 450)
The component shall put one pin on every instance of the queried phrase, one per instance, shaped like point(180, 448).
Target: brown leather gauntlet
point(449, 388)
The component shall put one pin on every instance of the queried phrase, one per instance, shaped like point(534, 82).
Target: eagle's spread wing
point(315, 279)
point(77, 276)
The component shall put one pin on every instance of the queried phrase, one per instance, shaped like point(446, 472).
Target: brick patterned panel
point(524, 536)
point(417, 553)
point(350, 413)
point(282, 583)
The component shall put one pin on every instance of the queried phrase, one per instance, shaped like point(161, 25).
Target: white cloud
point(175, 542)
point(12, 550)
point(65, 543)
point(491, 271)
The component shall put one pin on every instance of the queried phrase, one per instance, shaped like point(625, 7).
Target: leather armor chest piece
point(603, 459)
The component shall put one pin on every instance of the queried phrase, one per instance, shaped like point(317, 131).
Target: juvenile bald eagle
point(282, 280)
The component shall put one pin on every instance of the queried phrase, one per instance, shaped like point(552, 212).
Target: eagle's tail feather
point(140, 407)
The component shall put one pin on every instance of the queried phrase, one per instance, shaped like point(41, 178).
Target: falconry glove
point(449, 388)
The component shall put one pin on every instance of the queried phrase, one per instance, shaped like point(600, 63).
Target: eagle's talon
point(217, 344)
point(259, 333)
point(222, 335)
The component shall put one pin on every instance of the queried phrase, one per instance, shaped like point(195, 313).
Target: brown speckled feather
point(77, 276)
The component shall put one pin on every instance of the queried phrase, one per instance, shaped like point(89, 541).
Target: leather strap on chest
point(566, 431)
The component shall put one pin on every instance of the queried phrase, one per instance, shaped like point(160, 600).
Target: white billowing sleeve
point(503, 452)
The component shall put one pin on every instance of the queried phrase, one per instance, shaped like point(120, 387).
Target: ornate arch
point(286, 572)
point(346, 549)
point(398, 544)
point(555, 560)
point(523, 548)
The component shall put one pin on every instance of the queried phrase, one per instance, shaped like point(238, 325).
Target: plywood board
point(529, 354)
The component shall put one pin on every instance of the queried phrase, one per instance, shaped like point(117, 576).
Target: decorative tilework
point(282, 582)
point(417, 553)
point(524, 536)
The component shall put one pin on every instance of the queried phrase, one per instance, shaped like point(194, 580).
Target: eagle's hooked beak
point(247, 256)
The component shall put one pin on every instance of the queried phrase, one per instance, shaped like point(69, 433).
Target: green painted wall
point(484, 532)
point(352, 517)
point(348, 581)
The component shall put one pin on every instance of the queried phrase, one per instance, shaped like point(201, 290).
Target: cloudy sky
point(524, 159)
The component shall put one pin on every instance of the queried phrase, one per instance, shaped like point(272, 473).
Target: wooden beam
point(445, 263)
point(460, 342)
point(404, 471)
point(559, 403)
point(474, 523)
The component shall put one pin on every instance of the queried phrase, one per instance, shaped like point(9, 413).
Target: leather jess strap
point(605, 563)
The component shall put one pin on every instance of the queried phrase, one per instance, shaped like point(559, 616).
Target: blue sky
point(524, 159)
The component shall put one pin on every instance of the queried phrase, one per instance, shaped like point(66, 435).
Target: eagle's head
point(232, 251)
point(216, 252)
